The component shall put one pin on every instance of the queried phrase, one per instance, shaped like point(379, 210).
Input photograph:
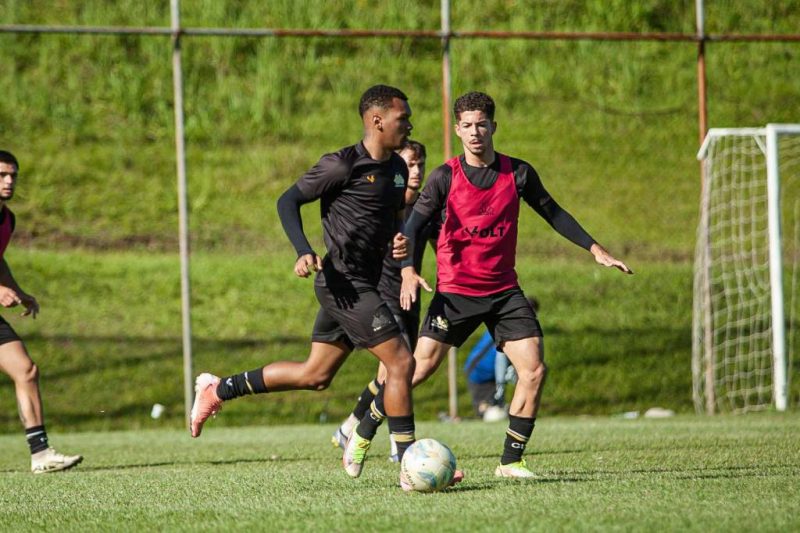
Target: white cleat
point(394, 457)
point(339, 439)
point(50, 460)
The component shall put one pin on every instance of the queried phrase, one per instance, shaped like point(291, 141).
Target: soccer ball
point(428, 465)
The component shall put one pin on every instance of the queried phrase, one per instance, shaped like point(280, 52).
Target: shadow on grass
point(711, 472)
point(214, 462)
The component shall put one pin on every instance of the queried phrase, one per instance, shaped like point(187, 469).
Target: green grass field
point(596, 473)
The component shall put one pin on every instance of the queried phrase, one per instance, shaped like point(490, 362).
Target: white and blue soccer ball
point(428, 465)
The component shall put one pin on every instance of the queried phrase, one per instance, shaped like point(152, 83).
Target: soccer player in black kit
point(414, 154)
point(361, 190)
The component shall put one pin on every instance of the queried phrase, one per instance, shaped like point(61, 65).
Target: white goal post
point(747, 254)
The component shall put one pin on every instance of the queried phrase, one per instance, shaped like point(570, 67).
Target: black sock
point(364, 401)
point(369, 424)
point(37, 439)
point(251, 382)
point(517, 436)
point(402, 429)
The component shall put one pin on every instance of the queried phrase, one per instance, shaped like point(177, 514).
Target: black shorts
point(355, 316)
point(508, 316)
point(407, 320)
point(7, 333)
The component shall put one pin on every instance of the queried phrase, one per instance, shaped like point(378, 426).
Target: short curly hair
point(8, 157)
point(474, 101)
point(379, 96)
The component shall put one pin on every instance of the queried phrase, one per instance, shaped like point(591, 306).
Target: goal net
point(745, 319)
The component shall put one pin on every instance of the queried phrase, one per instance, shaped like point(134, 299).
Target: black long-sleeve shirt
point(359, 200)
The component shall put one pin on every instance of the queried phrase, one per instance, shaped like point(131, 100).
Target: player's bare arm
point(411, 283)
point(307, 264)
point(11, 294)
point(400, 247)
point(602, 256)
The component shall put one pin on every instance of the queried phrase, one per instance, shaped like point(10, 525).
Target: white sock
point(347, 426)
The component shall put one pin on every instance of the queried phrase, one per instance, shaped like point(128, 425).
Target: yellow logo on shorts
point(440, 323)
point(371, 178)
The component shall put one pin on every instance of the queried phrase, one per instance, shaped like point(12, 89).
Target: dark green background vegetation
point(610, 126)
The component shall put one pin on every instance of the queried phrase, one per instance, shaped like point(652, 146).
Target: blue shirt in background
point(480, 362)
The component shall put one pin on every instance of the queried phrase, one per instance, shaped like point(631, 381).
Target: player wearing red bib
point(478, 194)
point(14, 358)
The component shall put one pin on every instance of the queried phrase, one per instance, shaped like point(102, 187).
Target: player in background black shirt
point(361, 190)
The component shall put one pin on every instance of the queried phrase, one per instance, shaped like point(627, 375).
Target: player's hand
point(9, 297)
point(306, 264)
point(409, 287)
point(606, 259)
point(30, 304)
point(400, 247)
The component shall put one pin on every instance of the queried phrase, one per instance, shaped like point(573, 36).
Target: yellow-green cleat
point(355, 452)
point(516, 470)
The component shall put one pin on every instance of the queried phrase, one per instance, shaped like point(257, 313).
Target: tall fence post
point(183, 215)
point(702, 112)
point(452, 360)
point(702, 104)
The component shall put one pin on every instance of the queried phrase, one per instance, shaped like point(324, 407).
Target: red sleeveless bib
point(477, 245)
point(5, 230)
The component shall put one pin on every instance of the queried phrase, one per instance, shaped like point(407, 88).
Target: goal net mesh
point(732, 345)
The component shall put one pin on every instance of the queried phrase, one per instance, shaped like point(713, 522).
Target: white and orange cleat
point(206, 402)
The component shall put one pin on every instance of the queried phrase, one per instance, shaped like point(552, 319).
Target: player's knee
point(423, 368)
point(406, 366)
point(402, 367)
point(541, 371)
point(29, 374)
point(534, 375)
point(318, 381)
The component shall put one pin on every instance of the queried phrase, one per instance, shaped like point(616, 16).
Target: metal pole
point(183, 216)
point(708, 317)
point(776, 270)
point(452, 359)
point(702, 98)
point(446, 88)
